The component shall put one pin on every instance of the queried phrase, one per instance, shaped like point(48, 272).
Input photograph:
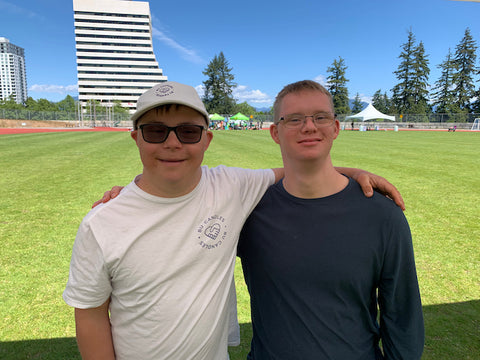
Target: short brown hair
point(304, 85)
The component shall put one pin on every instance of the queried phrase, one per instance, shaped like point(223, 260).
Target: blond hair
point(304, 85)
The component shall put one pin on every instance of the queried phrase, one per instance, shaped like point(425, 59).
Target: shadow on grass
point(51, 349)
point(452, 332)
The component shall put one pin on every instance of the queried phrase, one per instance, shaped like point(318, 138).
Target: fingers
point(397, 197)
point(364, 179)
point(115, 191)
point(367, 189)
point(108, 195)
point(369, 181)
point(390, 191)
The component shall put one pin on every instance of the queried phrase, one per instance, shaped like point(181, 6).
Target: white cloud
point(244, 93)
point(321, 79)
point(185, 53)
point(200, 90)
point(15, 9)
point(365, 98)
point(59, 89)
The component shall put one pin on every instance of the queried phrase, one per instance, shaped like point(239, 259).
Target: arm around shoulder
point(94, 335)
point(279, 173)
point(369, 181)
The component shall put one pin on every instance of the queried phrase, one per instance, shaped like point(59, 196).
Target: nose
point(172, 140)
point(308, 124)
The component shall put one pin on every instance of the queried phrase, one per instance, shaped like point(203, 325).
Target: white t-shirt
point(167, 264)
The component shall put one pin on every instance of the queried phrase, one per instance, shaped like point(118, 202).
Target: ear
point(337, 129)
point(274, 133)
point(209, 139)
point(134, 135)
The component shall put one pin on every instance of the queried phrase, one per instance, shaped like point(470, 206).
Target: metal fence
point(89, 119)
point(22, 114)
point(431, 118)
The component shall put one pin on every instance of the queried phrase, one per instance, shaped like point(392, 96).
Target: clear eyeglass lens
point(297, 120)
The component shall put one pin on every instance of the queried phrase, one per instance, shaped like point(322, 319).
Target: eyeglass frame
point(331, 120)
point(174, 129)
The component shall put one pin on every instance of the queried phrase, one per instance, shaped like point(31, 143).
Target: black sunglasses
point(158, 133)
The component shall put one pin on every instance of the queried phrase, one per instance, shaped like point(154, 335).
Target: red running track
point(7, 131)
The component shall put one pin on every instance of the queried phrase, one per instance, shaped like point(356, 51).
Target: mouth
point(171, 161)
point(310, 141)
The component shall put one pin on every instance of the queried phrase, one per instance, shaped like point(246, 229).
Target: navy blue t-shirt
point(314, 267)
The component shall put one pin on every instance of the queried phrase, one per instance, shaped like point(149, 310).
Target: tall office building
point(13, 76)
point(115, 59)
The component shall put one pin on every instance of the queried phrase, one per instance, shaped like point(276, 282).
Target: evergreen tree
point(476, 104)
point(357, 104)
point(421, 72)
point(389, 107)
point(464, 64)
point(337, 86)
point(410, 94)
point(442, 94)
point(402, 92)
point(377, 101)
point(219, 86)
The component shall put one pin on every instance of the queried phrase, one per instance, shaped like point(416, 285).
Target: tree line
point(453, 93)
point(67, 105)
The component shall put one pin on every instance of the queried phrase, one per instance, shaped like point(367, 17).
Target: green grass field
point(50, 180)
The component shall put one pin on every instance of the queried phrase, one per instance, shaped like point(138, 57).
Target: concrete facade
point(115, 59)
point(13, 74)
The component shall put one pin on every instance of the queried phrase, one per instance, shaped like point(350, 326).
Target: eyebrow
point(314, 113)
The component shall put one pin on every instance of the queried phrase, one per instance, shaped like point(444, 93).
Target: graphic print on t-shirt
point(211, 232)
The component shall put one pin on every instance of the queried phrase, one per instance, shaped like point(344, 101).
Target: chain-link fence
point(123, 120)
point(23, 114)
point(430, 118)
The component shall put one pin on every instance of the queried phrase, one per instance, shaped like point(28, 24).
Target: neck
point(168, 189)
point(310, 180)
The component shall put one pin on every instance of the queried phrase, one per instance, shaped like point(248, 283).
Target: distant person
point(151, 275)
point(319, 257)
point(352, 125)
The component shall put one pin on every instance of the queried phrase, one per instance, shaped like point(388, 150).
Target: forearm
point(369, 181)
point(279, 173)
point(94, 336)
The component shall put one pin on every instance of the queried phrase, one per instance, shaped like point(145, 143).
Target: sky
point(268, 44)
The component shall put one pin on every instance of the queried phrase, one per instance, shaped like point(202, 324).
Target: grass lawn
point(50, 180)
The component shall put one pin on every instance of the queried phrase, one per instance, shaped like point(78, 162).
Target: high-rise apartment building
point(13, 76)
point(115, 59)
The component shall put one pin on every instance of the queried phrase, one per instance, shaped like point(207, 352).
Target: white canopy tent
point(370, 113)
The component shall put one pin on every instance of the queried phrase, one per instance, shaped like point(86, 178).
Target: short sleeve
point(88, 283)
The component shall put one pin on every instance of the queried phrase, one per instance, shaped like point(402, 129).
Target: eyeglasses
point(158, 133)
point(293, 121)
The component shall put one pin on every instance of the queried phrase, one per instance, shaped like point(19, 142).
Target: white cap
point(169, 92)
